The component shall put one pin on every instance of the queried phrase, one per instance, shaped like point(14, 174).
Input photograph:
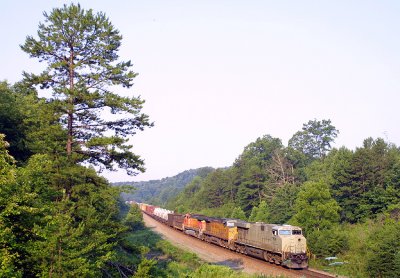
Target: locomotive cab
point(293, 246)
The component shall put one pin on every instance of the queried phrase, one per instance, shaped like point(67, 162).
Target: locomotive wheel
point(267, 256)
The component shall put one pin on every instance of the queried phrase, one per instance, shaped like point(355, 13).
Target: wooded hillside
point(158, 192)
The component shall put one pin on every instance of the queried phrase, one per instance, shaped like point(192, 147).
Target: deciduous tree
point(315, 138)
point(315, 208)
point(260, 213)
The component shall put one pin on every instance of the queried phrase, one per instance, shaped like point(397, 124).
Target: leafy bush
point(383, 258)
point(327, 243)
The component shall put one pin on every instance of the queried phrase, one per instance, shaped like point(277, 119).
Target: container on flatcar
point(162, 214)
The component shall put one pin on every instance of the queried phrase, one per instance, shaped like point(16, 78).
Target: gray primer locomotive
point(279, 244)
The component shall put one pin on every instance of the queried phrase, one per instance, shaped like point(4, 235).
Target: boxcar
point(150, 209)
point(175, 220)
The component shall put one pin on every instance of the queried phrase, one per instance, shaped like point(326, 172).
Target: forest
point(59, 129)
point(347, 202)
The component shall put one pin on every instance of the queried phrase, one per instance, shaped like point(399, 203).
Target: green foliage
point(238, 213)
point(11, 121)
point(206, 271)
point(282, 204)
point(158, 192)
point(80, 49)
point(189, 259)
point(10, 206)
point(146, 269)
point(250, 189)
point(259, 152)
point(134, 218)
point(384, 250)
point(222, 211)
point(327, 243)
point(365, 182)
point(260, 213)
point(216, 190)
point(315, 138)
point(48, 232)
point(252, 179)
point(79, 231)
point(30, 124)
point(315, 208)
point(371, 249)
point(7, 169)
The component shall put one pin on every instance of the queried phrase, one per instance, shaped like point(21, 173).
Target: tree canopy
point(315, 138)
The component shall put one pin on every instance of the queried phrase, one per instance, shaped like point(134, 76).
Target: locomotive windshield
point(285, 232)
point(289, 232)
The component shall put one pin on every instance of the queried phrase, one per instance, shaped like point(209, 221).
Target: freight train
point(280, 244)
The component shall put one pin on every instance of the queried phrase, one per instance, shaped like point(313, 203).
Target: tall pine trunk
point(71, 104)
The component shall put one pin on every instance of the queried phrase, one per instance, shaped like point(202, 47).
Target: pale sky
point(218, 74)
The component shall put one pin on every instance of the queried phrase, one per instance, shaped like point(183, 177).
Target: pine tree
point(80, 49)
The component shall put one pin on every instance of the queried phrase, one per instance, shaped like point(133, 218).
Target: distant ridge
point(158, 192)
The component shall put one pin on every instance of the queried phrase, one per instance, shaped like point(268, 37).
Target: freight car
point(280, 244)
point(161, 214)
point(176, 220)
